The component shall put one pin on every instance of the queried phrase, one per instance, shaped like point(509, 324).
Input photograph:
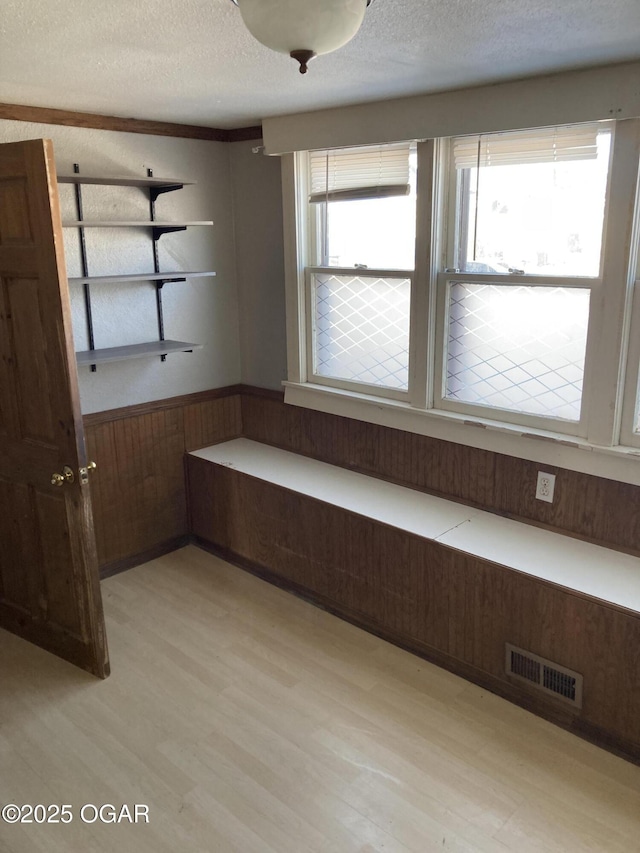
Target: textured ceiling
point(194, 62)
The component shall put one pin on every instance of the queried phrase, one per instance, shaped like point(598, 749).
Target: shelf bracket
point(159, 230)
point(156, 233)
point(154, 192)
point(85, 265)
point(159, 286)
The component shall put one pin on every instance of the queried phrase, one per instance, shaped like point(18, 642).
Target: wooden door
point(49, 586)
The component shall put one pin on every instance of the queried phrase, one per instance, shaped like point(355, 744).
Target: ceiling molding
point(45, 115)
point(245, 134)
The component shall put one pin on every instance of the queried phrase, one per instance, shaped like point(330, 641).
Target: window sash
point(311, 331)
point(486, 412)
point(460, 186)
point(355, 166)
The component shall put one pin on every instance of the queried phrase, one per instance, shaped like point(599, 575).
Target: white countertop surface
point(591, 569)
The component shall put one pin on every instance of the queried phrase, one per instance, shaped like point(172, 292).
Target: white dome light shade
point(305, 27)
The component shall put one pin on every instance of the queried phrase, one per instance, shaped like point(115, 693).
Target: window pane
point(362, 329)
point(517, 348)
point(378, 233)
point(541, 218)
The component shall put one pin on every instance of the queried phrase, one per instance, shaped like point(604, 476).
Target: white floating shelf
point(119, 181)
point(154, 348)
point(151, 276)
point(138, 223)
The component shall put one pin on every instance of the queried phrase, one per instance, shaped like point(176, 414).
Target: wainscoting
point(592, 508)
point(138, 492)
point(455, 610)
point(139, 496)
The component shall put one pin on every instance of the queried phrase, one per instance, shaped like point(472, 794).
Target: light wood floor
point(251, 721)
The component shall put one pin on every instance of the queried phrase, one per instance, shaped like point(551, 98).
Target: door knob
point(60, 479)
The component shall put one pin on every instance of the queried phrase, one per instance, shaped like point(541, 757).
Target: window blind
point(374, 171)
point(542, 145)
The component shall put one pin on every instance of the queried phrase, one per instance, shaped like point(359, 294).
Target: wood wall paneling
point(454, 609)
point(139, 499)
point(139, 494)
point(210, 421)
point(589, 507)
point(593, 508)
point(138, 490)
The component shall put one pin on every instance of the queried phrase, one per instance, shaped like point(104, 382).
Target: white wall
point(257, 214)
point(199, 310)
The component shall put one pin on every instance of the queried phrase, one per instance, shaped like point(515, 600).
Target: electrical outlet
point(546, 486)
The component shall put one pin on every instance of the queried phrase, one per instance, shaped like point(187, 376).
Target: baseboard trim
point(559, 716)
point(122, 565)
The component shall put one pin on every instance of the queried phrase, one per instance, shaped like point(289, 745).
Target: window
point(361, 207)
point(480, 280)
point(526, 204)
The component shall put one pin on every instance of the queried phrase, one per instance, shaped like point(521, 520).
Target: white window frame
point(300, 305)
point(606, 366)
point(628, 434)
point(580, 427)
point(631, 402)
point(614, 450)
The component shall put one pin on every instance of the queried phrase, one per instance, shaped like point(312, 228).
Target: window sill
point(546, 447)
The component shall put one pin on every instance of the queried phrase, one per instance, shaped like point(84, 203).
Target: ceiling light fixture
point(303, 28)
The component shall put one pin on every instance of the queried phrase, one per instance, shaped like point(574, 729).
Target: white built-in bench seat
point(582, 567)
